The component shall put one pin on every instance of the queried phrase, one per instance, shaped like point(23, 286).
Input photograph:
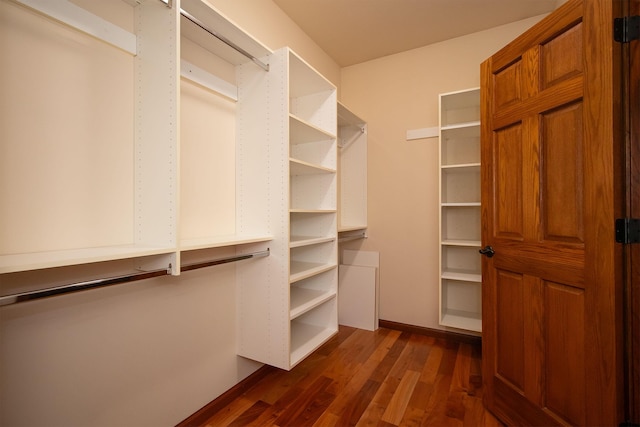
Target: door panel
point(564, 315)
point(510, 330)
point(562, 169)
point(561, 57)
point(549, 193)
point(508, 161)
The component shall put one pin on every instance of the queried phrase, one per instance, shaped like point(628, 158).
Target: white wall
point(395, 94)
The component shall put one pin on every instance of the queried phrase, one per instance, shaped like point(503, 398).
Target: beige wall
point(395, 94)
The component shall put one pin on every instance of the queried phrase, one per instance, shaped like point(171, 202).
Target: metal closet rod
point(224, 40)
point(362, 235)
point(99, 283)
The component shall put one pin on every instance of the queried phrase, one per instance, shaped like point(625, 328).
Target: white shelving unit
point(89, 198)
point(352, 171)
point(291, 310)
point(199, 148)
point(210, 99)
point(460, 271)
point(99, 202)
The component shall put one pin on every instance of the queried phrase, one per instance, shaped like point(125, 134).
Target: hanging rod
point(352, 139)
point(98, 283)
point(219, 261)
point(224, 40)
point(81, 286)
point(362, 235)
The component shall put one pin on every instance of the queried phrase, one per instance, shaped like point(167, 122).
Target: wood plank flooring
point(363, 378)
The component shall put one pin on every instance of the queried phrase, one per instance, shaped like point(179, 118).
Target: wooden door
point(551, 190)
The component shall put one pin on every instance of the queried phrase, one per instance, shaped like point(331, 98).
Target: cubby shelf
point(302, 270)
point(302, 300)
point(460, 275)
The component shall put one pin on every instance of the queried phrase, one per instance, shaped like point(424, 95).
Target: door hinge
point(626, 29)
point(628, 230)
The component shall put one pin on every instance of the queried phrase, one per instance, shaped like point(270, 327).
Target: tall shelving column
point(460, 272)
point(289, 311)
point(313, 274)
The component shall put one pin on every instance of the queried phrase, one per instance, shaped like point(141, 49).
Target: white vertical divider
point(262, 203)
point(157, 127)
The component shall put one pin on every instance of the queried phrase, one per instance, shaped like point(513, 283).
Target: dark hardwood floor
point(383, 378)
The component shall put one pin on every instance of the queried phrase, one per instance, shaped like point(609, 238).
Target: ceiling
point(354, 31)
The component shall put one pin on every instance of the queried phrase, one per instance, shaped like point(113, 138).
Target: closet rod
point(219, 261)
point(362, 235)
point(353, 138)
point(224, 40)
point(98, 283)
point(81, 286)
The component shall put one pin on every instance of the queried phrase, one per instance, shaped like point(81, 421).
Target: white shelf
point(462, 276)
point(38, 260)
point(302, 300)
point(299, 241)
point(306, 338)
point(347, 228)
point(299, 167)
point(313, 211)
point(301, 270)
point(303, 132)
point(220, 241)
point(461, 204)
point(462, 320)
point(472, 243)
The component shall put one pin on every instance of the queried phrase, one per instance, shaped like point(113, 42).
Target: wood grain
point(361, 378)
